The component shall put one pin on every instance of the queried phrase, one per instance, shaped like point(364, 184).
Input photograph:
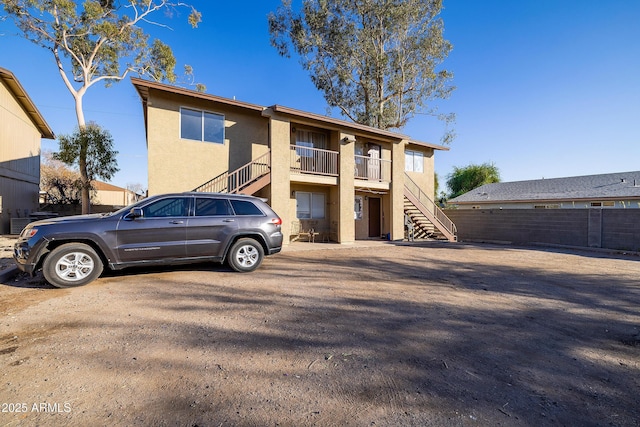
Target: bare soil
point(422, 334)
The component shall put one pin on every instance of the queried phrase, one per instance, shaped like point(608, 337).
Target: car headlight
point(28, 233)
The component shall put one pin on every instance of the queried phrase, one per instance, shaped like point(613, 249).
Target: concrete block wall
point(617, 229)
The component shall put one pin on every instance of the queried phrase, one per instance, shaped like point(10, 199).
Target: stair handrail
point(231, 182)
point(426, 201)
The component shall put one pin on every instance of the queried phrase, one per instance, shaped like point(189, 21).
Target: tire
point(245, 255)
point(71, 265)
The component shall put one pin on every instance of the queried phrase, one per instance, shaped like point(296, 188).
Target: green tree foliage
point(465, 179)
point(97, 41)
point(377, 61)
point(90, 148)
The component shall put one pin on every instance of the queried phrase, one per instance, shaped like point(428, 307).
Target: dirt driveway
point(425, 334)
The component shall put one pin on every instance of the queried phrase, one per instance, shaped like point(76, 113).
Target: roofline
point(578, 199)
point(341, 124)
point(26, 103)
point(143, 86)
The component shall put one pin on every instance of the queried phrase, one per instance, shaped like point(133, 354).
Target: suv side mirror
point(135, 213)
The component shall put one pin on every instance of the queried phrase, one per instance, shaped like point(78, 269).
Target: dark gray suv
point(164, 229)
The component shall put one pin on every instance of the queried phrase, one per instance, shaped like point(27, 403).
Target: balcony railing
point(373, 169)
point(315, 161)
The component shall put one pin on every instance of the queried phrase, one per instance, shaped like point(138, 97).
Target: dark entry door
point(374, 217)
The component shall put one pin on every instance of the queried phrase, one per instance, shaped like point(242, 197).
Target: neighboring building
point(21, 129)
point(612, 190)
point(596, 211)
point(344, 180)
point(112, 195)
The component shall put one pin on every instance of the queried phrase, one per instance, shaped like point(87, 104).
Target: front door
point(374, 217)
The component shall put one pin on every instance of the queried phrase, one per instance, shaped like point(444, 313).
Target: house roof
point(143, 87)
point(611, 186)
point(105, 186)
point(343, 124)
point(25, 102)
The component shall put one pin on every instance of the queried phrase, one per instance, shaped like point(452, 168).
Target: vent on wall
point(18, 224)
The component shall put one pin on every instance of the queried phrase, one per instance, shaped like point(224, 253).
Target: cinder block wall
point(617, 229)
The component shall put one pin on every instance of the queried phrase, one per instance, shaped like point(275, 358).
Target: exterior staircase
point(429, 221)
point(246, 179)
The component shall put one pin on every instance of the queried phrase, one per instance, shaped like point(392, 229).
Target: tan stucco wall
point(280, 199)
point(19, 138)
point(177, 165)
point(426, 179)
point(115, 198)
point(19, 161)
point(347, 230)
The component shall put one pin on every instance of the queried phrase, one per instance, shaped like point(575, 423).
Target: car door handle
point(228, 220)
point(176, 222)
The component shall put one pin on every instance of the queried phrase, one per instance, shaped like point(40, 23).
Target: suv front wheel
point(245, 255)
point(72, 264)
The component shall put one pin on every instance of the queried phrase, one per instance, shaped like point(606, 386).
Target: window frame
point(203, 129)
point(411, 154)
point(313, 207)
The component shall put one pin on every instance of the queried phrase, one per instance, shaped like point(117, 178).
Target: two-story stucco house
point(21, 129)
point(343, 180)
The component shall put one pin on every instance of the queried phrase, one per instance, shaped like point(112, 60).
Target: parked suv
point(164, 229)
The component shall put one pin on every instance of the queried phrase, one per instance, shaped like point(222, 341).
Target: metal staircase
point(246, 179)
point(428, 219)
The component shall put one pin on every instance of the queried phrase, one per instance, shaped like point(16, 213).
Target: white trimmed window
point(201, 126)
point(413, 161)
point(309, 205)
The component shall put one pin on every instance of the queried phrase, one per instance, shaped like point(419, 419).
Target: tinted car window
point(176, 206)
point(242, 207)
point(212, 207)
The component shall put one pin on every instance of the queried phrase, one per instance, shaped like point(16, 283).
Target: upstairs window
point(413, 161)
point(201, 126)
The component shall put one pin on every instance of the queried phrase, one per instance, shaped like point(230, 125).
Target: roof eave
point(338, 124)
point(567, 200)
point(26, 103)
point(143, 87)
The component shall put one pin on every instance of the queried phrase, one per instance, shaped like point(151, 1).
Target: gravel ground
point(423, 334)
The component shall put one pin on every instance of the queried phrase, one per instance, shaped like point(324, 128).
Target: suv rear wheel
point(245, 255)
point(72, 264)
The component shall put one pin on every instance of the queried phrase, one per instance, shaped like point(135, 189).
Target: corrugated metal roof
point(611, 186)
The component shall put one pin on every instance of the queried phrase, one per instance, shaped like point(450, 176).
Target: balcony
point(315, 165)
point(314, 161)
point(372, 169)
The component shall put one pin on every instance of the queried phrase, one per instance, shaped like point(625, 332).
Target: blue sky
point(545, 88)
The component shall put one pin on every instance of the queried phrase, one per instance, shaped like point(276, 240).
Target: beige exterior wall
point(425, 179)
point(114, 198)
point(281, 200)
point(19, 161)
point(177, 164)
